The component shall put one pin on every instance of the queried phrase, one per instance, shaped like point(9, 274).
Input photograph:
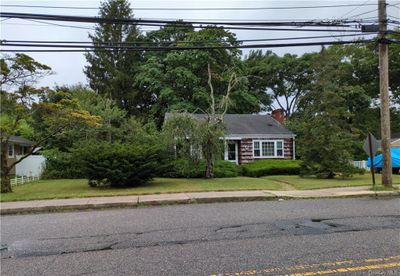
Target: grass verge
point(74, 188)
point(310, 183)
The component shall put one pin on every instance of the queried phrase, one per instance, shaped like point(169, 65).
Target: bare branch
point(211, 90)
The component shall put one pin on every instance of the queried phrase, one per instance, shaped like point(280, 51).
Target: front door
point(231, 151)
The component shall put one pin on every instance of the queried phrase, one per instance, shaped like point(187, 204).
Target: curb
point(205, 200)
point(102, 206)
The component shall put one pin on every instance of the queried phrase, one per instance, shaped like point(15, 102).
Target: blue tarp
point(395, 152)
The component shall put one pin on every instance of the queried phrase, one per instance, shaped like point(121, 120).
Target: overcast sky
point(68, 66)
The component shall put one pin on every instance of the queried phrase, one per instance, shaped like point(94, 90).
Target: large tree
point(285, 78)
point(201, 137)
point(326, 134)
point(112, 72)
point(179, 79)
point(20, 100)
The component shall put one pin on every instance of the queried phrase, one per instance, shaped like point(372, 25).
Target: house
point(17, 147)
point(395, 141)
point(251, 137)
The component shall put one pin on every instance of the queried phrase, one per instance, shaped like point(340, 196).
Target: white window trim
point(275, 149)
point(13, 151)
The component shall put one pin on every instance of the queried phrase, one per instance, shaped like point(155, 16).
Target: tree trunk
point(210, 166)
point(5, 177)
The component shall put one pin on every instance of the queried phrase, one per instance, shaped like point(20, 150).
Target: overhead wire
point(186, 9)
point(357, 15)
point(194, 24)
point(354, 9)
point(92, 19)
point(5, 41)
point(61, 25)
point(179, 48)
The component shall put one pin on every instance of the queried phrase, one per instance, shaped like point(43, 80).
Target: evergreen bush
point(60, 164)
point(188, 168)
point(271, 167)
point(120, 165)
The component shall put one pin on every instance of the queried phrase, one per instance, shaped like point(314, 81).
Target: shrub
point(119, 165)
point(226, 169)
point(186, 168)
point(325, 173)
point(271, 167)
point(60, 164)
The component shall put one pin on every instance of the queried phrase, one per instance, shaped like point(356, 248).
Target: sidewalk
point(54, 205)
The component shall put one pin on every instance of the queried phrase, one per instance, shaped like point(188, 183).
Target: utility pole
point(384, 95)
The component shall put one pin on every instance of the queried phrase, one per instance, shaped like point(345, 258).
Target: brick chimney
point(279, 115)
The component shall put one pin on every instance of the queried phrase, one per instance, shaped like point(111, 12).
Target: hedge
point(271, 167)
point(184, 168)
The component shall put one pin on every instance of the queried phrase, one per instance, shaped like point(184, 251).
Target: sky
point(68, 67)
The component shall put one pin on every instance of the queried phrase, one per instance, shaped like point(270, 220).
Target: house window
point(256, 147)
point(268, 148)
point(11, 151)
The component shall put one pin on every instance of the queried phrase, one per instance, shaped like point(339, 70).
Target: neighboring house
point(18, 147)
point(251, 137)
point(395, 141)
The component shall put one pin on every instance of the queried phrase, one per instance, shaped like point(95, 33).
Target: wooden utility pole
point(384, 95)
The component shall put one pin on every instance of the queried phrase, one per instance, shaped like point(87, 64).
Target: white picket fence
point(361, 164)
point(20, 180)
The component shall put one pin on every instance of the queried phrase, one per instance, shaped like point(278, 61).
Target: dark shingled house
point(251, 137)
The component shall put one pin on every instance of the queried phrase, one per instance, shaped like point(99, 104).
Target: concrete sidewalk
point(54, 205)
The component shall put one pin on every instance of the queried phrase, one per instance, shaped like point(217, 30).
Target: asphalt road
point(298, 237)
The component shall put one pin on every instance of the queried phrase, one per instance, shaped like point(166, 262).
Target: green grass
point(73, 188)
point(309, 183)
point(383, 188)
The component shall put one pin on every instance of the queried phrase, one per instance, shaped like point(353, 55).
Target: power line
point(46, 24)
point(194, 9)
point(177, 48)
point(61, 25)
point(91, 19)
point(354, 16)
point(354, 9)
point(161, 23)
point(5, 41)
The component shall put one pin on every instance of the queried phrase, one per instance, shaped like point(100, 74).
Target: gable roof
point(20, 141)
point(250, 126)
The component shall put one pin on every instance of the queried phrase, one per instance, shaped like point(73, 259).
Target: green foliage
point(25, 110)
point(226, 169)
point(326, 136)
point(61, 164)
point(182, 136)
point(119, 165)
point(113, 73)
point(111, 115)
point(286, 77)
point(21, 70)
point(133, 131)
point(187, 168)
point(180, 79)
point(271, 167)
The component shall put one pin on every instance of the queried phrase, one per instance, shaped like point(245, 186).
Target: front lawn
point(70, 188)
point(309, 183)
